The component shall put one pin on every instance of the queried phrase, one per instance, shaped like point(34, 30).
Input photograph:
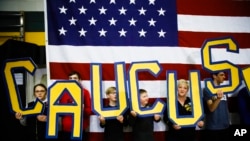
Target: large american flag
point(81, 32)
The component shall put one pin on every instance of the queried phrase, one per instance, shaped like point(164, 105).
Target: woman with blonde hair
point(177, 132)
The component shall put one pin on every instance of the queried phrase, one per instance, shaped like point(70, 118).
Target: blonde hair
point(183, 81)
point(110, 90)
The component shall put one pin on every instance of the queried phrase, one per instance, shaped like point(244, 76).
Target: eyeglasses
point(37, 91)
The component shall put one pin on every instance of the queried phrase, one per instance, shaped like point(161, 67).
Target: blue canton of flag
point(112, 23)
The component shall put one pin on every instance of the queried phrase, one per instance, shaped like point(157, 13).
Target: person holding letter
point(217, 118)
point(143, 126)
point(67, 122)
point(177, 132)
point(36, 124)
point(113, 128)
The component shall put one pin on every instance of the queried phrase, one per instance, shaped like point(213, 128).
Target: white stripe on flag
point(214, 23)
point(68, 54)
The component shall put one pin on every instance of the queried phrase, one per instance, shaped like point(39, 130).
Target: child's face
point(40, 93)
point(112, 96)
point(144, 99)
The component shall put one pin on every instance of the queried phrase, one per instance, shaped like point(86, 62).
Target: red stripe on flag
point(196, 39)
point(108, 73)
point(214, 7)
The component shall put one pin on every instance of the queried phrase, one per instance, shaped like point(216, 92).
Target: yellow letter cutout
point(9, 68)
point(246, 77)
point(195, 96)
point(221, 65)
point(55, 109)
point(155, 69)
point(97, 91)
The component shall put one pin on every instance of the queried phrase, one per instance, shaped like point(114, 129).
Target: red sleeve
point(87, 103)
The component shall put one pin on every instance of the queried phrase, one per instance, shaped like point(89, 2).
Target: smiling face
point(182, 88)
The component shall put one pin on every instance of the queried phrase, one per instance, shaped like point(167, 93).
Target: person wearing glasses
point(35, 124)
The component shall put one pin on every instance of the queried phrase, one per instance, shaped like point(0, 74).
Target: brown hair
point(142, 91)
point(40, 84)
point(75, 73)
